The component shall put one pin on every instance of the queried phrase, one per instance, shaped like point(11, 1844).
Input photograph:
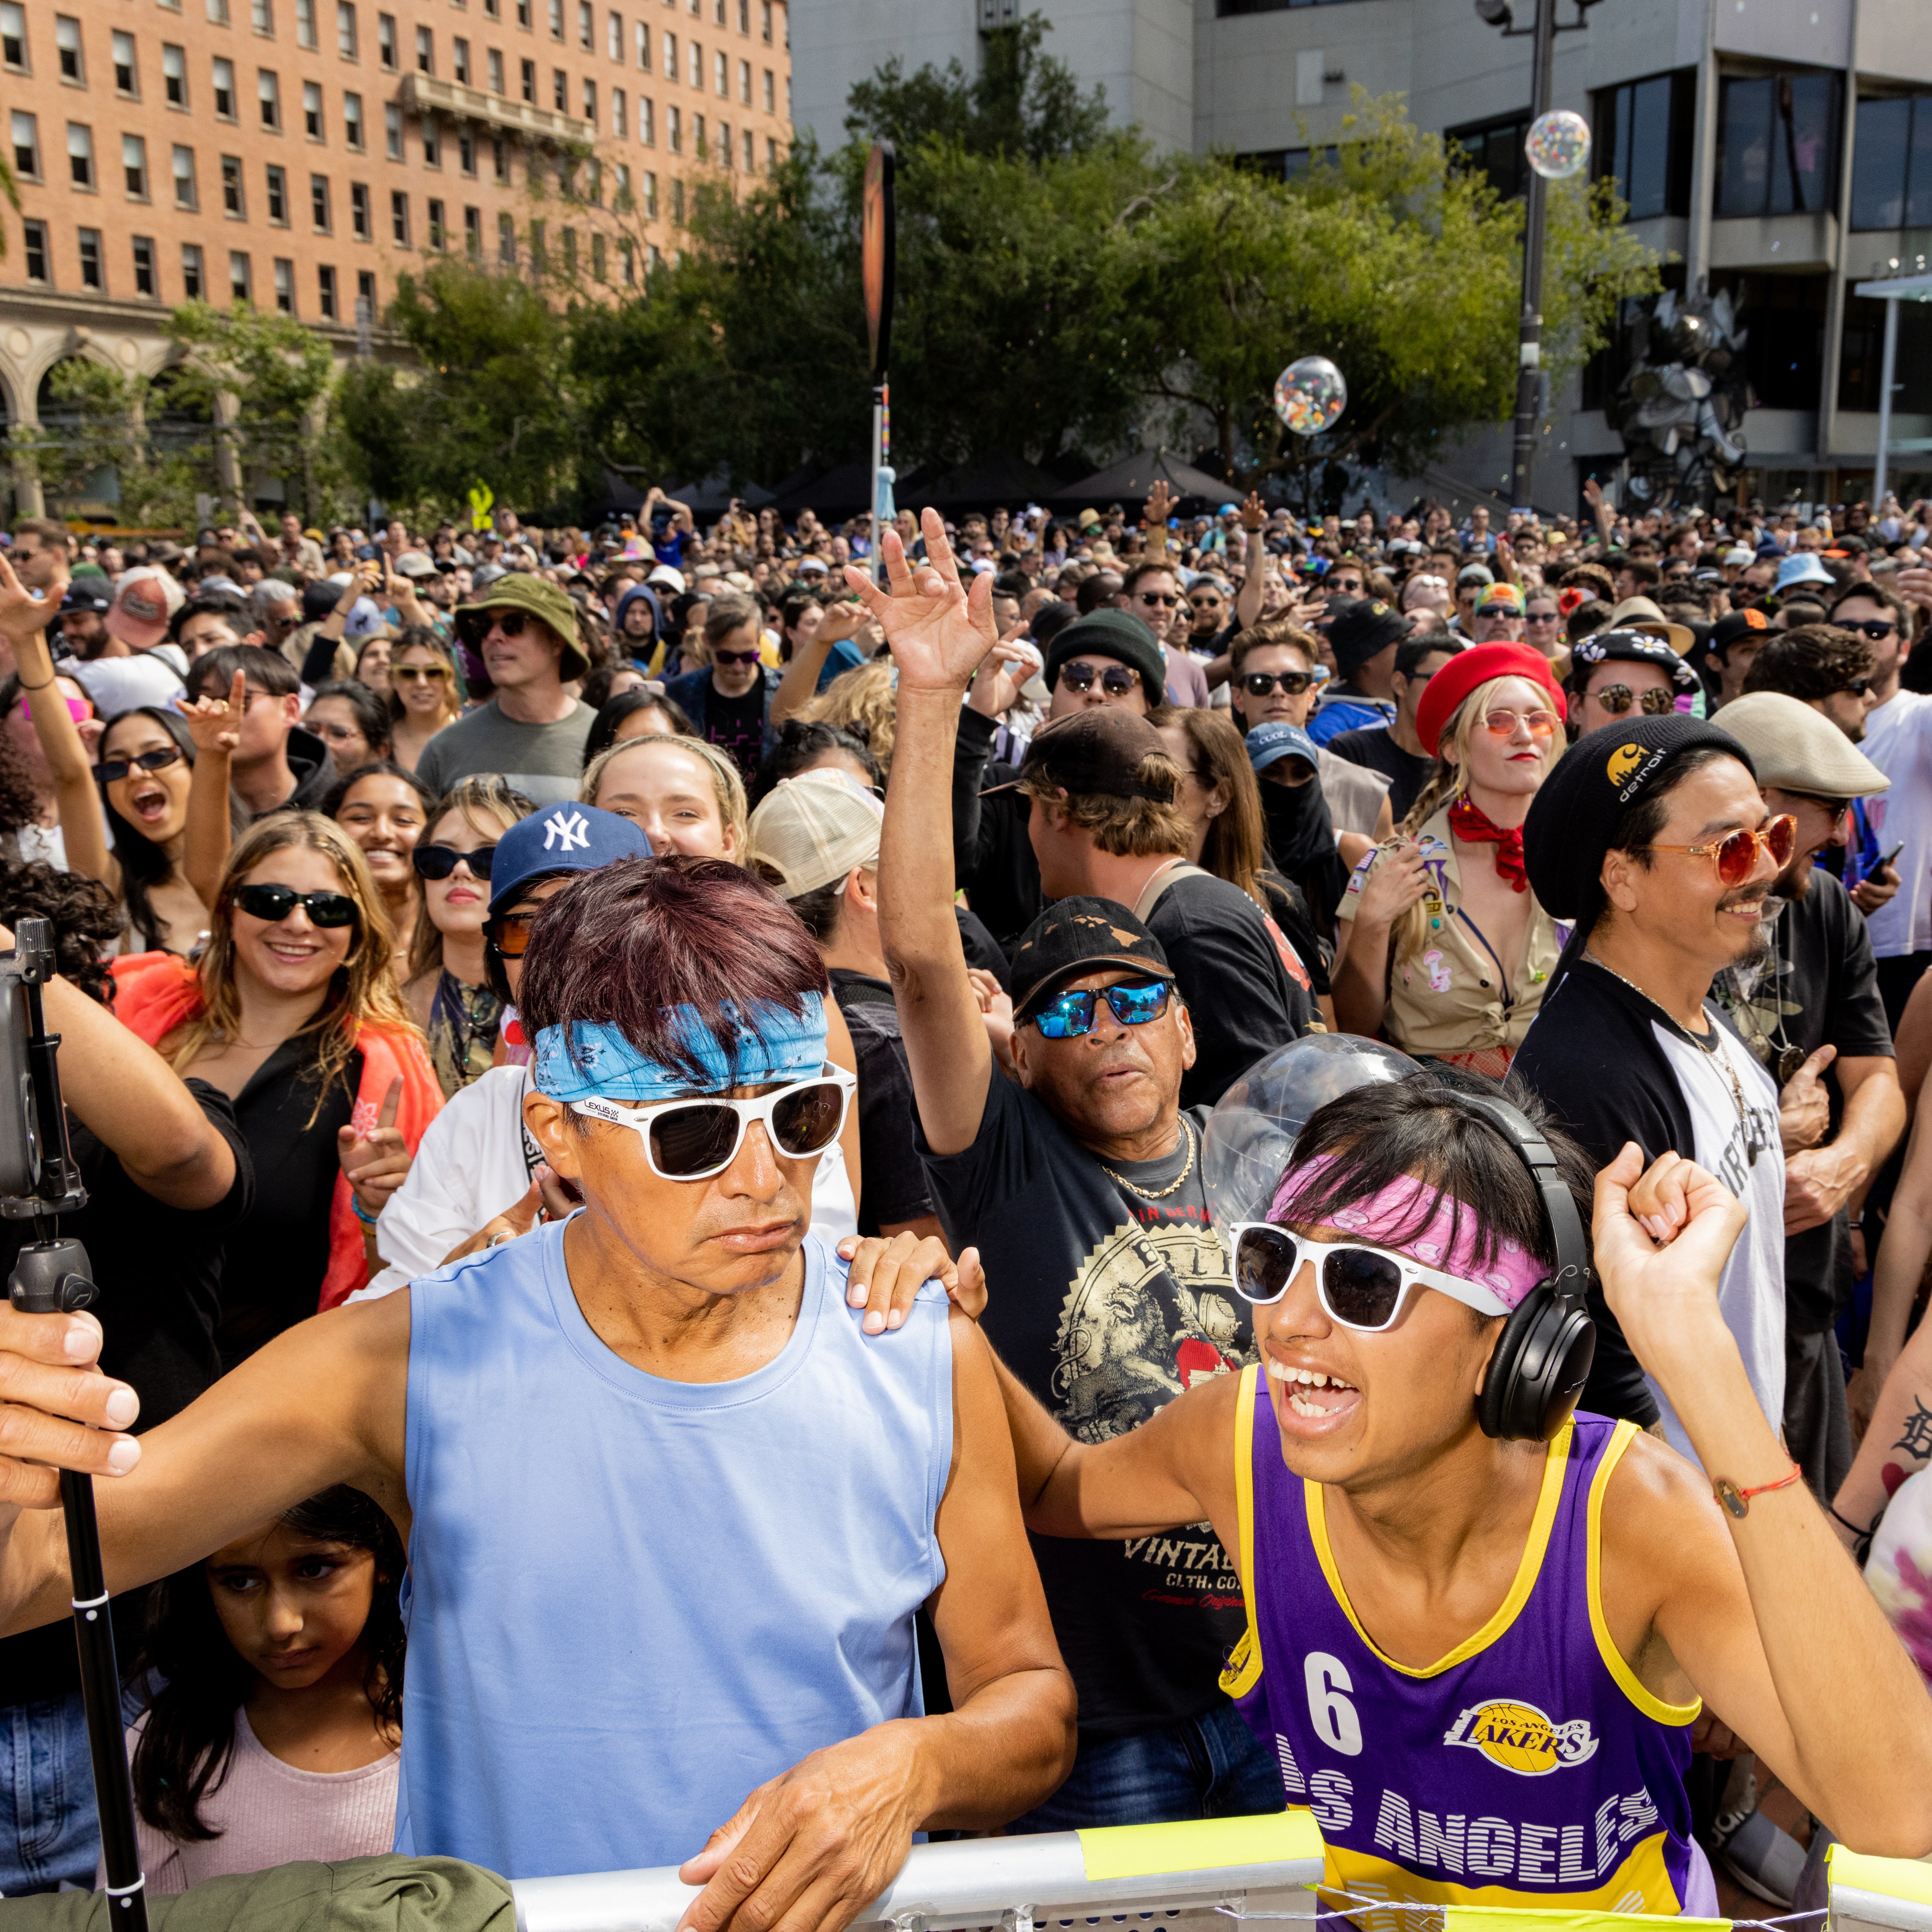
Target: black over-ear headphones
point(1543, 1357)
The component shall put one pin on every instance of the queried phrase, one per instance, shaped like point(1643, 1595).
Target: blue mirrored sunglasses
point(1070, 1015)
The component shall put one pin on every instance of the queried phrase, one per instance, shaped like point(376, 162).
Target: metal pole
point(878, 464)
point(1529, 346)
point(1888, 366)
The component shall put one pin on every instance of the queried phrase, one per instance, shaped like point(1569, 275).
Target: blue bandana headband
point(589, 1059)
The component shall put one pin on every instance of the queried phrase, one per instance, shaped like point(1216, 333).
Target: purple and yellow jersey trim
point(1527, 1766)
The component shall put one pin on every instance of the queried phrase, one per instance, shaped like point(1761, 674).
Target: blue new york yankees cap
point(561, 838)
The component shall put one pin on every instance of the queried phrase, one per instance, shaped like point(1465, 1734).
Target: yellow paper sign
point(1207, 1844)
point(480, 498)
point(1895, 1878)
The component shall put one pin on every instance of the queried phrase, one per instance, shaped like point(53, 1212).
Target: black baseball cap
point(91, 593)
point(1727, 631)
point(1099, 750)
point(1075, 937)
point(1361, 628)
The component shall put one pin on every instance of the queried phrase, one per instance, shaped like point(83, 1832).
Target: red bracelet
point(1738, 1501)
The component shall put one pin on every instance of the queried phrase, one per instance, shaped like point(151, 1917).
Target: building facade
point(301, 154)
point(1780, 150)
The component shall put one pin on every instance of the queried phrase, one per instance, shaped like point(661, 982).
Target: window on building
point(506, 240)
point(346, 43)
point(653, 258)
point(305, 35)
point(34, 247)
point(621, 199)
point(557, 19)
point(472, 233)
point(351, 121)
point(570, 251)
point(1784, 353)
point(725, 148)
point(278, 196)
point(91, 274)
point(599, 265)
point(559, 90)
point(647, 122)
point(438, 232)
point(312, 110)
point(765, 21)
point(185, 196)
point(80, 154)
point(641, 35)
point(539, 254)
point(285, 286)
point(627, 251)
point(771, 154)
point(459, 59)
point(432, 141)
point(385, 41)
point(218, 13)
point(745, 82)
point(147, 281)
point(697, 136)
point(425, 50)
point(674, 131)
point(268, 93)
point(499, 157)
point(744, 16)
point(720, 76)
point(586, 25)
point(399, 218)
point(620, 113)
point(261, 17)
point(523, 14)
point(466, 149)
point(174, 76)
point(770, 96)
point(67, 43)
point(677, 203)
point(365, 296)
point(1493, 149)
point(751, 152)
point(1891, 167)
point(233, 201)
point(360, 223)
point(222, 75)
point(696, 63)
point(650, 196)
point(613, 37)
point(325, 293)
point(392, 129)
point(670, 57)
point(134, 166)
point(194, 282)
point(1777, 144)
point(318, 203)
point(13, 37)
point(530, 82)
point(1643, 142)
point(496, 69)
point(241, 276)
point(127, 76)
point(590, 102)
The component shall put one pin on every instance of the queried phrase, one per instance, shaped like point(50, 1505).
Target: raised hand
point(214, 724)
point(996, 687)
point(1254, 511)
point(376, 1162)
point(938, 630)
point(22, 615)
point(1158, 506)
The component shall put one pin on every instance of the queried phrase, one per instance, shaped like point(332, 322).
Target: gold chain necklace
point(1159, 1194)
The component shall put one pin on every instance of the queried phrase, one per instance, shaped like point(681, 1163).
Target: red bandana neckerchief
point(1471, 824)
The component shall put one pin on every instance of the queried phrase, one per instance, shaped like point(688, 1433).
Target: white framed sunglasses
point(1359, 1287)
point(699, 1136)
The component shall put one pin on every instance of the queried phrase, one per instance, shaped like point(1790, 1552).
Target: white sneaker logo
point(570, 834)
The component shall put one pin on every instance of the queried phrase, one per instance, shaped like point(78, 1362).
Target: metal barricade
point(1870, 1894)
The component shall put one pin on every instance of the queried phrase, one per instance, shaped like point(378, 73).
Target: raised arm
point(214, 724)
point(938, 634)
point(1779, 1635)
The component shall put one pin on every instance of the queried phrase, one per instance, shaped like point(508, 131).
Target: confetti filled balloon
point(1309, 395)
point(1557, 144)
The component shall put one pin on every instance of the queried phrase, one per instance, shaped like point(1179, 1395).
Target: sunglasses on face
point(1501, 722)
point(734, 657)
point(438, 862)
point(1876, 628)
point(1735, 857)
point(1116, 680)
point(111, 771)
point(692, 1140)
point(1168, 598)
point(1068, 1016)
point(1351, 585)
point(434, 673)
point(1290, 683)
point(510, 623)
point(274, 904)
point(1616, 699)
point(1859, 686)
point(1359, 1287)
point(508, 933)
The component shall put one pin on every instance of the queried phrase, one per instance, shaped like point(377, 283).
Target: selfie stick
point(52, 1276)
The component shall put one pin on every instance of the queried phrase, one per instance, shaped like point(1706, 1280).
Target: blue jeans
point(1211, 1767)
point(48, 1830)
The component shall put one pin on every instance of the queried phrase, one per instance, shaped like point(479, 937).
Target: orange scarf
point(155, 992)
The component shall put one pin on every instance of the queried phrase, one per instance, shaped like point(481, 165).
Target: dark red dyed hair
point(626, 945)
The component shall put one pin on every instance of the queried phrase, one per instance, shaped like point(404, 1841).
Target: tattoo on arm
point(1917, 1440)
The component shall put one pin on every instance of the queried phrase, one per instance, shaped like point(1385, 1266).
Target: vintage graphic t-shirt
point(1107, 1305)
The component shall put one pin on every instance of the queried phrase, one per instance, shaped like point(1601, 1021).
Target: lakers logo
point(1522, 1739)
point(1624, 760)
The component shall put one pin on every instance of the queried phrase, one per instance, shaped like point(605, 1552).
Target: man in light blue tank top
point(670, 1508)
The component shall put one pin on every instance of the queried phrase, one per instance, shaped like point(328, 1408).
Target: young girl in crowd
point(276, 1734)
point(423, 695)
point(448, 993)
point(293, 1012)
point(384, 808)
point(350, 719)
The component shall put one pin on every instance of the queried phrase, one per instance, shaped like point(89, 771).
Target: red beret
point(1467, 669)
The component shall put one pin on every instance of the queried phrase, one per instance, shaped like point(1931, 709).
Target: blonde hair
point(1445, 784)
point(863, 700)
point(725, 780)
point(484, 795)
point(363, 988)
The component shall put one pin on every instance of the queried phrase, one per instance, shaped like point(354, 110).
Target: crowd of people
point(647, 1098)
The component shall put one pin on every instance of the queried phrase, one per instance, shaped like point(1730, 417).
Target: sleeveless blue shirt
point(1528, 1767)
point(631, 1601)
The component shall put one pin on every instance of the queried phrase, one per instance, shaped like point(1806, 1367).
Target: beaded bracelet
point(369, 1220)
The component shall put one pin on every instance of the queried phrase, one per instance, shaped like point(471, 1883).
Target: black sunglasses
point(1156, 597)
point(1859, 686)
point(1116, 680)
point(111, 771)
point(1261, 683)
point(438, 862)
point(274, 903)
point(479, 624)
point(1876, 628)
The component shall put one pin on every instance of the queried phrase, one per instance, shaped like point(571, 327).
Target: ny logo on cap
point(567, 834)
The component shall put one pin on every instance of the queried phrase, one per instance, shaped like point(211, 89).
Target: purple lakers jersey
point(1528, 1766)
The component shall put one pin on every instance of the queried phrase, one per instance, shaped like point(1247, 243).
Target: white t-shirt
point(1898, 740)
point(476, 1160)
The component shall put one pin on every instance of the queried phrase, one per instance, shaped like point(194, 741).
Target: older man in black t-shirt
point(1080, 1185)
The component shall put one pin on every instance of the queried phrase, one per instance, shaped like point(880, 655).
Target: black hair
point(801, 745)
point(211, 604)
point(1376, 1135)
point(1049, 620)
point(372, 715)
point(189, 1739)
point(85, 915)
point(1635, 832)
point(1409, 657)
point(377, 768)
point(626, 704)
point(143, 863)
point(212, 674)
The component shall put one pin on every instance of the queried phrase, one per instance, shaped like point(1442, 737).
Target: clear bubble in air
point(1557, 144)
point(1310, 395)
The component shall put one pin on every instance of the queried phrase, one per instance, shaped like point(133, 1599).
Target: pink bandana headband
point(1509, 1275)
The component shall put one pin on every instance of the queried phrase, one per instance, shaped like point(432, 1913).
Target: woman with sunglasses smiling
point(1445, 950)
point(423, 694)
point(293, 1012)
point(448, 990)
